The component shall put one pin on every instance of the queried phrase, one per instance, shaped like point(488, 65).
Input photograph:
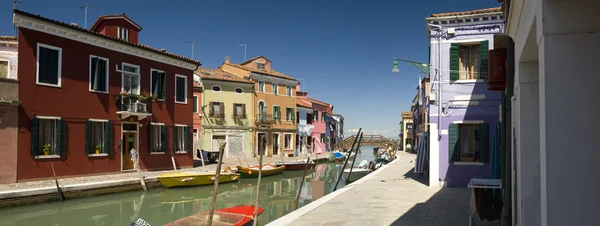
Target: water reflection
point(160, 206)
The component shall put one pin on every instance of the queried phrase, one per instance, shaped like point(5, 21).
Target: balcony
point(264, 119)
point(133, 105)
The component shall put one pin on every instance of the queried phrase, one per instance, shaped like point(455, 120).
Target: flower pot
point(97, 151)
point(467, 159)
point(46, 153)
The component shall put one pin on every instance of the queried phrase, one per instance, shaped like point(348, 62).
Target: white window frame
point(213, 87)
point(197, 101)
point(123, 72)
point(291, 143)
point(185, 90)
point(152, 124)
point(263, 64)
point(107, 74)
point(125, 32)
point(40, 154)
point(151, 87)
point(289, 88)
point(273, 111)
point(275, 88)
point(180, 138)
point(234, 90)
point(286, 112)
point(37, 62)
point(263, 86)
point(7, 68)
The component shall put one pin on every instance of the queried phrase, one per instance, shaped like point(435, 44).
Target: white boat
point(356, 174)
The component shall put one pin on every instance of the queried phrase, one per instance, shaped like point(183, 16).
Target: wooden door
point(275, 144)
point(128, 144)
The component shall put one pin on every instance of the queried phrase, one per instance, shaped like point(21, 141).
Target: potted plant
point(46, 149)
point(154, 97)
point(98, 148)
point(467, 157)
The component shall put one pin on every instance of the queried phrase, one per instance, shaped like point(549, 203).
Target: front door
point(128, 144)
point(275, 144)
point(262, 143)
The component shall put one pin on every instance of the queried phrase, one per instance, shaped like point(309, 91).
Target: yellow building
point(274, 103)
point(406, 126)
point(226, 105)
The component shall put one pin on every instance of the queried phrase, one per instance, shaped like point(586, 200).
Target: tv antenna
point(192, 41)
point(85, 7)
point(15, 2)
point(244, 45)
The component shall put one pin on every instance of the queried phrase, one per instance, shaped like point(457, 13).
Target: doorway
point(262, 143)
point(129, 138)
point(276, 144)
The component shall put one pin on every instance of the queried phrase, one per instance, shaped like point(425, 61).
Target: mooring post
point(213, 202)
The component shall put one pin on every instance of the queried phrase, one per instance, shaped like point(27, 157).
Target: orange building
point(274, 104)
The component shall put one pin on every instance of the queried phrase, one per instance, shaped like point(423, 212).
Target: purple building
point(461, 130)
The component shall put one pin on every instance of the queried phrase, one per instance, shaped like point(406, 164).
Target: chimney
point(227, 61)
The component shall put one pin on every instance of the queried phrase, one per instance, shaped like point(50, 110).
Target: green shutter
point(151, 140)
point(453, 138)
point(293, 115)
point(60, 137)
point(186, 138)
point(485, 147)
point(483, 64)
point(88, 137)
point(174, 138)
point(454, 55)
point(163, 91)
point(164, 133)
point(108, 138)
point(35, 136)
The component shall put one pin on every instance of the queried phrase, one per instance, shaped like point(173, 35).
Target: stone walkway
point(231, 162)
point(391, 196)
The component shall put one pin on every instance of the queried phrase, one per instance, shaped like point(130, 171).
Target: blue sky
point(342, 51)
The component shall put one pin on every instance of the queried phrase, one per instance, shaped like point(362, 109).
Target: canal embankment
point(78, 187)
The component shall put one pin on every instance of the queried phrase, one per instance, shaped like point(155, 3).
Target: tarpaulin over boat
point(422, 163)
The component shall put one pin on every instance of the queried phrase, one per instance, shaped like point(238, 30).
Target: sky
point(340, 51)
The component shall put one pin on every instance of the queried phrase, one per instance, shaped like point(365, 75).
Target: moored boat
point(180, 179)
point(356, 174)
point(237, 216)
point(299, 165)
point(267, 170)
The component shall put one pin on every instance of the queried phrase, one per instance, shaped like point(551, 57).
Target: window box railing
point(134, 103)
point(265, 119)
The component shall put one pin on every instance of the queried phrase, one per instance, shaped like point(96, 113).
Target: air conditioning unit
point(451, 31)
point(432, 98)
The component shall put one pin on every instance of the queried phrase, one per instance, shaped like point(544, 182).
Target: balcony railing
point(265, 119)
point(134, 104)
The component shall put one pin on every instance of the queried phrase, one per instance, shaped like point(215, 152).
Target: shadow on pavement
point(422, 178)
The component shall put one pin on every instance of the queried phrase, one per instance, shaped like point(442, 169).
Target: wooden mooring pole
point(260, 166)
point(354, 160)
point(213, 202)
point(345, 162)
point(301, 184)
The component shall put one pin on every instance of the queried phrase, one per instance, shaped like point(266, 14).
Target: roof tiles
point(264, 72)
point(471, 12)
point(219, 75)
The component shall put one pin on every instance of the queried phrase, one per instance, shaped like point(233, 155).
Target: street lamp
point(424, 68)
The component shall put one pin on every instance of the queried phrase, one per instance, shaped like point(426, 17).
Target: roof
point(219, 75)
point(140, 46)
point(270, 72)
point(302, 103)
point(254, 58)
point(8, 38)
point(115, 16)
point(472, 12)
point(318, 102)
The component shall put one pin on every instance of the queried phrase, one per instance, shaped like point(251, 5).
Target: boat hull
point(252, 172)
point(237, 216)
point(292, 166)
point(356, 174)
point(183, 179)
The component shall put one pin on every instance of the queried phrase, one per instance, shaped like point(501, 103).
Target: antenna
point(192, 47)
point(85, 7)
point(244, 45)
point(15, 2)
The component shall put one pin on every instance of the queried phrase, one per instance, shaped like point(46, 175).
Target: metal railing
point(134, 103)
point(266, 119)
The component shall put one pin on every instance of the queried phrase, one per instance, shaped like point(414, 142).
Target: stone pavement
point(393, 195)
point(227, 161)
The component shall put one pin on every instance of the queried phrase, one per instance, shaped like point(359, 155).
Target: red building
point(88, 97)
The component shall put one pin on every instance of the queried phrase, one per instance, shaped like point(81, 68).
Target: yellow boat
point(180, 179)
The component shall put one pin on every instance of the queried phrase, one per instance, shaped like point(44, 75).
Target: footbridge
point(372, 140)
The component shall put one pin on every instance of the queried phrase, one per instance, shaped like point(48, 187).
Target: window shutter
point(174, 138)
point(108, 138)
point(211, 109)
point(163, 82)
point(35, 136)
point(164, 133)
point(483, 60)
point(60, 137)
point(151, 140)
point(235, 113)
point(155, 84)
point(244, 110)
point(88, 137)
point(186, 138)
point(293, 115)
point(222, 109)
point(485, 147)
point(453, 138)
point(454, 55)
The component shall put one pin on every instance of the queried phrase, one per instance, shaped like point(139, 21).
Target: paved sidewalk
point(391, 196)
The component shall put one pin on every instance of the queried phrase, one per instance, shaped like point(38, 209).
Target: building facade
point(469, 112)
point(406, 128)
point(421, 114)
point(274, 105)
point(338, 131)
point(89, 97)
point(304, 121)
point(197, 115)
point(318, 137)
point(9, 106)
point(227, 112)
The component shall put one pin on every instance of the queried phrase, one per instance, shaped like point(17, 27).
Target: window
point(49, 63)
point(239, 90)
point(217, 110)
point(322, 138)
point(4, 69)
point(287, 141)
point(131, 79)
point(468, 142)
point(158, 86)
point(323, 116)
point(180, 89)
point(98, 137)
point(260, 66)
point(239, 111)
point(216, 88)
point(316, 115)
point(276, 112)
point(275, 91)
point(98, 74)
point(195, 104)
point(289, 114)
point(298, 118)
point(468, 61)
point(309, 118)
point(158, 138)
point(47, 136)
point(261, 86)
point(123, 33)
point(181, 139)
point(288, 90)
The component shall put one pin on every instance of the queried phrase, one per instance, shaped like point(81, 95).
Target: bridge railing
point(374, 140)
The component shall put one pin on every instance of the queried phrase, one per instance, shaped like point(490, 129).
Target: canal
point(160, 206)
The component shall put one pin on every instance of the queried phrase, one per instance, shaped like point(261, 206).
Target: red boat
point(300, 165)
point(237, 216)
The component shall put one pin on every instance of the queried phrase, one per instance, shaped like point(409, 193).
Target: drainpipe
point(438, 72)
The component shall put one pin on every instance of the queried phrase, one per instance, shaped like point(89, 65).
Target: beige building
point(406, 126)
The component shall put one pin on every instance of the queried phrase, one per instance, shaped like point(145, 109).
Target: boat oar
point(355, 156)
point(213, 202)
point(345, 162)
point(301, 184)
point(260, 166)
point(61, 195)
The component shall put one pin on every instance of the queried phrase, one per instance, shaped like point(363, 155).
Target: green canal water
point(160, 206)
